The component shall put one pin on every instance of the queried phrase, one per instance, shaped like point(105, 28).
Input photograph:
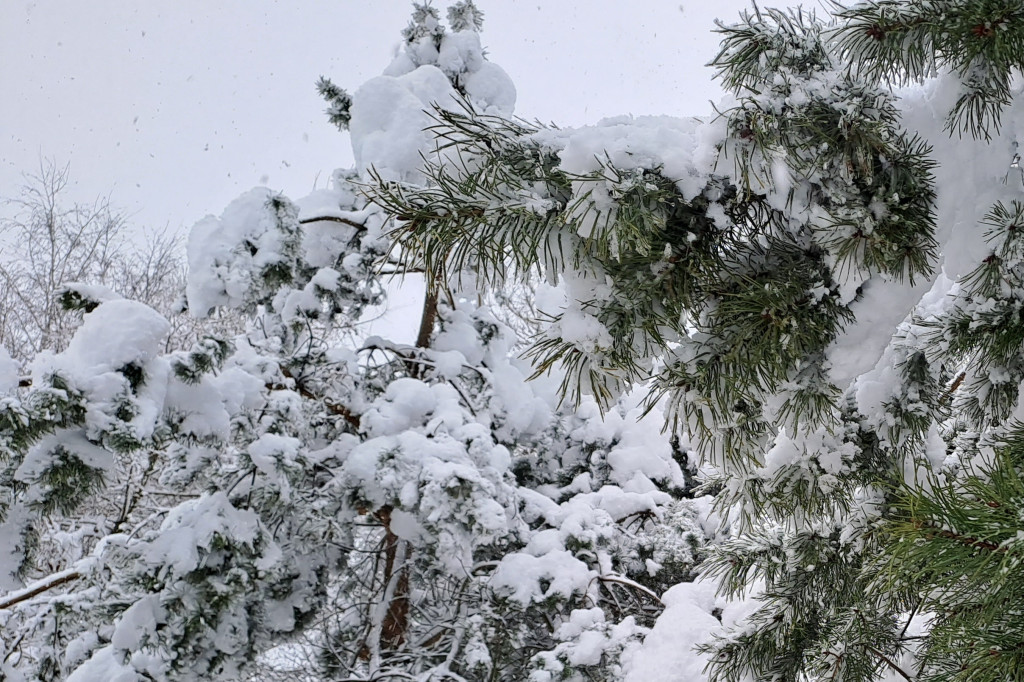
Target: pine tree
point(737, 271)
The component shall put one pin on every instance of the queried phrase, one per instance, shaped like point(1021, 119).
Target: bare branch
point(48, 583)
point(333, 219)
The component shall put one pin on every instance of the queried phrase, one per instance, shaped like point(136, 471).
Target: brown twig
point(952, 387)
point(962, 539)
point(971, 542)
point(333, 219)
point(902, 673)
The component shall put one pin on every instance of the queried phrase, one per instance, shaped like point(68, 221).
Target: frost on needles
point(817, 291)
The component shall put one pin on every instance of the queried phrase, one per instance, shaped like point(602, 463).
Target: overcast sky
point(174, 107)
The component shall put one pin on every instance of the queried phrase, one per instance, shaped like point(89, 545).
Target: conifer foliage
point(739, 268)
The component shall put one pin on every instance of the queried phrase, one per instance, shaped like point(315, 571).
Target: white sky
point(174, 107)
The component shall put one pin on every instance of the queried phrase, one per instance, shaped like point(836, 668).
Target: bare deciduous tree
point(50, 242)
point(46, 244)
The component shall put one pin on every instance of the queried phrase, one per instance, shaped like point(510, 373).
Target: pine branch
point(892, 665)
point(981, 41)
point(622, 580)
point(931, 531)
point(48, 583)
point(339, 109)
